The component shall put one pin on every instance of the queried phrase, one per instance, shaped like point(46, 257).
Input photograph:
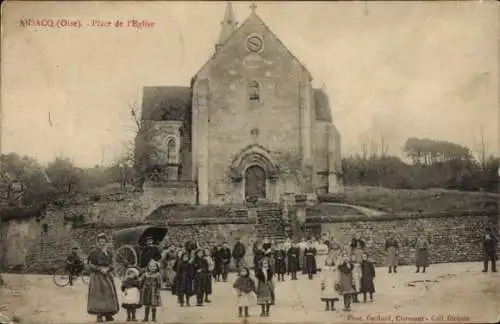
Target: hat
point(132, 270)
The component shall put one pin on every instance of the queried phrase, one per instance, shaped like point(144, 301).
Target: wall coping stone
point(398, 216)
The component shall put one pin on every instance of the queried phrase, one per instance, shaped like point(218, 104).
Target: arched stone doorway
point(255, 183)
point(254, 175)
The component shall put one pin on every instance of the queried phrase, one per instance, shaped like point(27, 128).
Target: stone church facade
point(250, 127)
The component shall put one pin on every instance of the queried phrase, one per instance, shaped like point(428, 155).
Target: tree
point(24, 180)
point(145, 151)
point(64, 176)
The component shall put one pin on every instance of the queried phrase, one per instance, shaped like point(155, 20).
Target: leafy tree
point(64, 176)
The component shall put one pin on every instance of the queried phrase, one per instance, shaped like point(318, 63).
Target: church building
point(250, 127)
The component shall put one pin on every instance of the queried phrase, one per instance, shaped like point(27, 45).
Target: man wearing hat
point(489, 249)
point(74, 264)
point(149, 252)
point(225, 257)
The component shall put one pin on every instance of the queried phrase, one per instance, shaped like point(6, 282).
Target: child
point(130, 289)
point(245, 288)
point(367, 275)
point(329, 276)
point(183, 282)
point(356, 278)
point(150, 292)
point(346, 280)
point(265, 287)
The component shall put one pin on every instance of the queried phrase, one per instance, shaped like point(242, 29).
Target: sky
point(392, 70)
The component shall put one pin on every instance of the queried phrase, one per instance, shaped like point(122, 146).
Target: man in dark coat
point(74, 265)
point(293, 254)
point(258, 254)
point(489, 250)
point(239, 252)
point(225, 258)
point(149, 252)
point(280, 262)
point(217, 256)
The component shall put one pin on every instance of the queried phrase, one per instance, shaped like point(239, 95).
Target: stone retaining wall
point(26, 246)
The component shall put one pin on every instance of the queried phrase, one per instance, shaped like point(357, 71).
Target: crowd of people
point(190, 270)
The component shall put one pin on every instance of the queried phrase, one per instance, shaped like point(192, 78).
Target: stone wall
point(452, 238)
point(157, 194)
point(30, 246)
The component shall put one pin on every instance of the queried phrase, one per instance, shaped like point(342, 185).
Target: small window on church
point(253, 91)
point(171, 152)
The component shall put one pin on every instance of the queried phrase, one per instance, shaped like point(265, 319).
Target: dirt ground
point(448, 293)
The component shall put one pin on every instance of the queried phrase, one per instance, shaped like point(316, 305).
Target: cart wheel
point(124, 258)
point(61, 277)
point(85, 276)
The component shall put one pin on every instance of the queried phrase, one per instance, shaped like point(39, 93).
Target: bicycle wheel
point(61, 278)
point(85, 276)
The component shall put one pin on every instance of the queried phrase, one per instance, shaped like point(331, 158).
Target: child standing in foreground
point(356, 278)
point(150, 292)
point(245, 288)
point(367, 276)
point(346, 282)
point(130, 289)
point(329, 277)
point(265, 287)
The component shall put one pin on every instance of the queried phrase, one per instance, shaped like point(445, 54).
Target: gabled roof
point(322, 106)
point(255, 16)
point(166, 103)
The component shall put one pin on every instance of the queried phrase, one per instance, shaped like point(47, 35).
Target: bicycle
point(61, 277)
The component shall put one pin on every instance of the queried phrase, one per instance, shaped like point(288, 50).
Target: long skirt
point(422, 258)
point(367, 285)
point(392, 258)
point(150, 296)
point(264, 293)
point(131, 298)
point(102, 297)
point(246, 299)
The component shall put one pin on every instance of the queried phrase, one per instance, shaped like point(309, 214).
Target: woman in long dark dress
point(310, 260)
point(102, 298)
point(201, 274)
point(367, 276)
point(183, 282)
point(210, 263)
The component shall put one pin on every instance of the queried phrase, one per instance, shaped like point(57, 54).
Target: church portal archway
point(255, 183)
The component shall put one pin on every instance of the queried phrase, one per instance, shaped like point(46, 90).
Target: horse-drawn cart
point(128, 245)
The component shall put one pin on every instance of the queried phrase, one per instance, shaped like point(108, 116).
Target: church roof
point(322, 106)
point(253, 15)
point(166, 103)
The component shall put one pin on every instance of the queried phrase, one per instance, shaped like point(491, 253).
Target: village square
point(239, 196)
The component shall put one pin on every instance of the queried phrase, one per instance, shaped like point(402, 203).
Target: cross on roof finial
point(253, 6)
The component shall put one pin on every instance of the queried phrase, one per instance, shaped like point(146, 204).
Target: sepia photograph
point(249, 162)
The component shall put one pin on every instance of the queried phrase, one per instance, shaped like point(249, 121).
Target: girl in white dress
point(245, 288)
point(329, 277)
point(356, 277)
point(131, 296)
